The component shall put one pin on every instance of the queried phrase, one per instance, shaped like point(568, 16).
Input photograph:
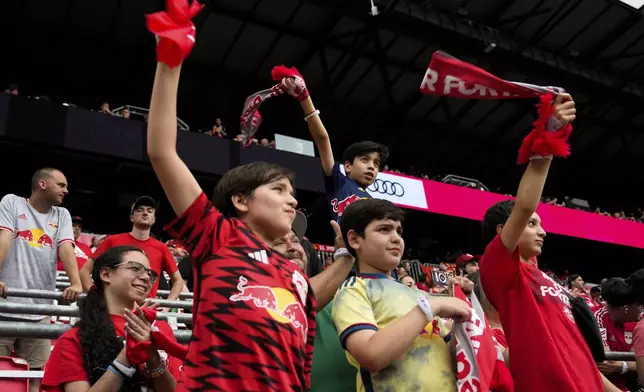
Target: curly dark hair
point(96, 334)
point(496, 215)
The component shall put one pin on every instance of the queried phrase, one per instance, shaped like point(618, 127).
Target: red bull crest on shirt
point(279, 303)
point(340, 206)
point(36, 238)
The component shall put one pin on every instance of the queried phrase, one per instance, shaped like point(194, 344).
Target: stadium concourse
point(99, 212)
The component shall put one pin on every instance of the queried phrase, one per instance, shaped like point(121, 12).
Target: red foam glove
point(299, 90)
point(175, 30)
point(541, 141)
point(138, 352)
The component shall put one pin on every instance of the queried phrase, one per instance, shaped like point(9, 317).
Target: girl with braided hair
point(92, 356)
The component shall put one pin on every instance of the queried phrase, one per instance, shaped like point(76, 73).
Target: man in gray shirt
point(33, 232)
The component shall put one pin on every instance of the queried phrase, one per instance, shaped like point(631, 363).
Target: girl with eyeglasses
point(93, 356)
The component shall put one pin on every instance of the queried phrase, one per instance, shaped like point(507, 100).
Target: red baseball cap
point(464, 259)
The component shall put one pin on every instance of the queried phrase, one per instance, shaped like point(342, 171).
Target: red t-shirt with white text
point(253, 314)
point(66, 363)
point(157, 252)
point(547, 351)
point(82, 252)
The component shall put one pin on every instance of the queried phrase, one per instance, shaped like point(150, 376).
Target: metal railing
point(63, 284)
point(22, 329)
point(73, 311)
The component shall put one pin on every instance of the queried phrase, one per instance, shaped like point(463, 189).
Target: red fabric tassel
point(280, 72)
point(175, 30)
point(137, 352)
point(502, 380)
point(542, 142)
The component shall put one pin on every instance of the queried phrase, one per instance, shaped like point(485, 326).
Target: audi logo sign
point(385, 187)
point(401, 190)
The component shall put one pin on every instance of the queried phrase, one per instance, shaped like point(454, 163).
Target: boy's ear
point(240, 202)
point(354, 240)
point(499, 228)
point(347, 167)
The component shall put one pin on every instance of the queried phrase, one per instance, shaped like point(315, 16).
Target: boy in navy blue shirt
point(362, 161)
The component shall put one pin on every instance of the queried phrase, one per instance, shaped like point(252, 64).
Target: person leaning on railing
point(92, 355)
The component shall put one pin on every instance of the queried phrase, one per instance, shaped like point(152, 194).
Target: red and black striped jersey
point(253, 315)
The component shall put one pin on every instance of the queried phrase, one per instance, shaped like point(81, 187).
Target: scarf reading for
point(449, 76)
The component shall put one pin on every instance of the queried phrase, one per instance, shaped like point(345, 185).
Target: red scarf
point(251, 119)
point(449, 76)
point(479, 362)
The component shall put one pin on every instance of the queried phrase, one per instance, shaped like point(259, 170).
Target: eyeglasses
point(139, 269)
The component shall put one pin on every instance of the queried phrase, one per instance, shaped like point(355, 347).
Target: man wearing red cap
point(467, 263)
point(82, 251)
point(142, 216)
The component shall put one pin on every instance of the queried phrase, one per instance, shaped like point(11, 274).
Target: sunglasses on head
point(139, 269)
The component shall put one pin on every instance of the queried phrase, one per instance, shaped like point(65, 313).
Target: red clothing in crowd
point(594, 306)
point(617, 338)
point(547, 351)
point(499, 335)
point(638, 339)
point(254, 313)
point(157, 252)
point(83, 253)
point(66, 363)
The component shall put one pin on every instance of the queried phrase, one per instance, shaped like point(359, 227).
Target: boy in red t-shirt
point(254, 311)
point(547, 351)
point(616, 322)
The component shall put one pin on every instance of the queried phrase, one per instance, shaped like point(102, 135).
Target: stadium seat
point(10, 384)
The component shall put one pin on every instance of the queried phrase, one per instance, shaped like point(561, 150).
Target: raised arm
point(179, 184)
point(533, 181)
point(296, 87)
point(320, 136)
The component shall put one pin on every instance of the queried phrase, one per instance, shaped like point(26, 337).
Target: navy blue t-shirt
point(342, 191)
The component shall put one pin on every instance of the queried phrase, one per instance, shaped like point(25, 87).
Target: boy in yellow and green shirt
point(393, 334)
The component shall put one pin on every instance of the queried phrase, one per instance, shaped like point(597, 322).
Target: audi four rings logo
point(385, 187)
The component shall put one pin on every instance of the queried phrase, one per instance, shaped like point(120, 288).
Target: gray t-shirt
point(31, 260)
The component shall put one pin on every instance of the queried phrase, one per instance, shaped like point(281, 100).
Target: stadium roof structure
point(364, 73)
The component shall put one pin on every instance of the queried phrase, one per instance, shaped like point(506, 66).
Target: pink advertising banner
point(441, 198)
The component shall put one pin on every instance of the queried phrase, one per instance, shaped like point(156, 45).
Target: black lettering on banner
point(385, 187)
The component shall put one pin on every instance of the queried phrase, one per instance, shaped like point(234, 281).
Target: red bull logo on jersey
point(36, 238)
point(341, 205)
point(278, 302)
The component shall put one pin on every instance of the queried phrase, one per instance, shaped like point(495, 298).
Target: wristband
point(624, 368)
point(310, 115)
point(114, 370)
point(341, 252)
point(426, 307)
point(536, 156)
point(126, 371)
